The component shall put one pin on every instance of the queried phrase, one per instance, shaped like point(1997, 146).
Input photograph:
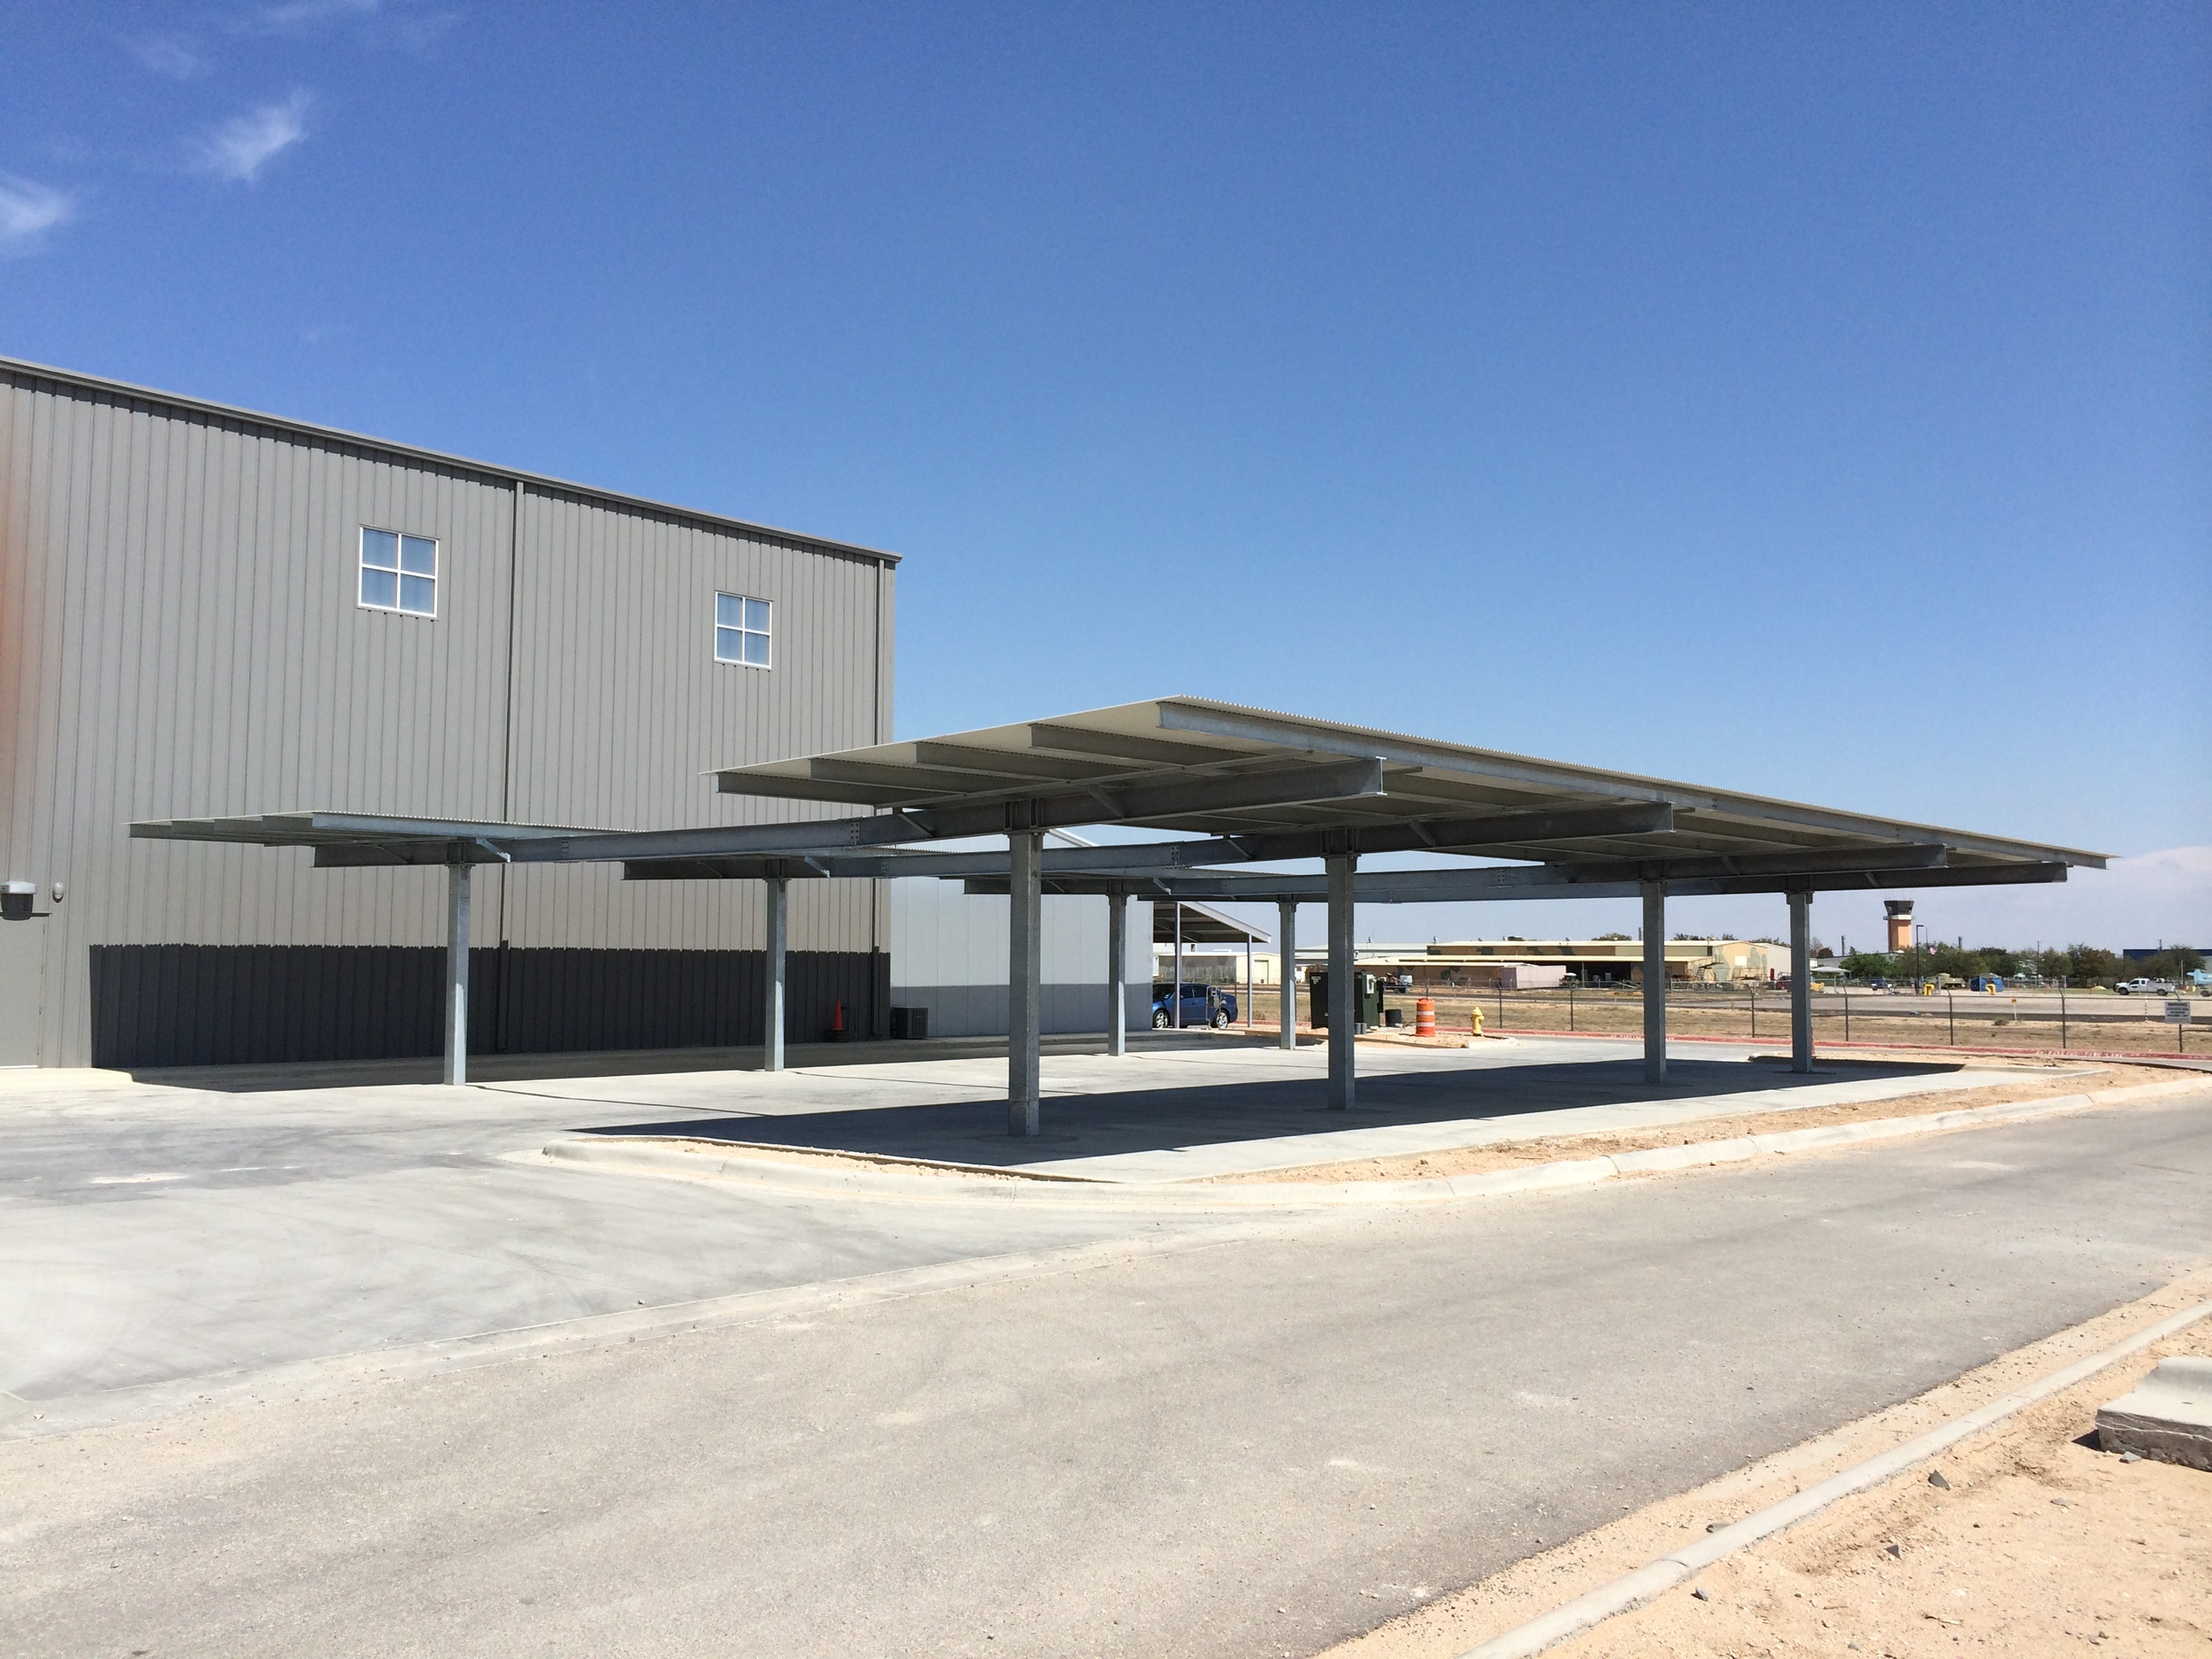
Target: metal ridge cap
point(235, 412)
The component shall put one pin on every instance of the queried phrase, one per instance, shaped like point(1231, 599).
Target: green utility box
point(1366, 1001)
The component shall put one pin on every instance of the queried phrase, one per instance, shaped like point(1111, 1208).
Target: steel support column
point(1654, 981)
point(1175, 996)
point(1117, 973)
point(1024, 966)
point(1342, 1069)
point(1800, 982)
point(457, 972)
point(773, 976)
point(1286, 975)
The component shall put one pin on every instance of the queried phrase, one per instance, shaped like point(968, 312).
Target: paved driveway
point(1242, 1441)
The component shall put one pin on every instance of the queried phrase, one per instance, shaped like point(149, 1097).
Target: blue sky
point(1811, 400)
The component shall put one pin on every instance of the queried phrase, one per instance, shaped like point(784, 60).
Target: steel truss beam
point(1445, 886)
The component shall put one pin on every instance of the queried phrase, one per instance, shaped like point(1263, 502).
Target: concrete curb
point(1633, 1590)
point(683, 1158)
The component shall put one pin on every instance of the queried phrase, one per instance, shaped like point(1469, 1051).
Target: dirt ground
point(1962, 1020)
point(2030, 1079)
point(2039, 1545)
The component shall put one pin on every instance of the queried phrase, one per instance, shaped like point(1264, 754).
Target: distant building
point(1533, 964)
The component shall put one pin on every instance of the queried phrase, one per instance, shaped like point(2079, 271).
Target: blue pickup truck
point(1203, 1005)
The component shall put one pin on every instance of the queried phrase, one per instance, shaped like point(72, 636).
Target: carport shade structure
point(1247, 787)
point(1183, 922)
point(349, 841)
point(352, 841)
point(1262, 787)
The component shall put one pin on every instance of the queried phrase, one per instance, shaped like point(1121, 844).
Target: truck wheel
point(1220, 1021)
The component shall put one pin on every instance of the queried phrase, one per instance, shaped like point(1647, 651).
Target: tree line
point(2077, 964)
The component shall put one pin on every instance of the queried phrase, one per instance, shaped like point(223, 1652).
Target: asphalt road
point(1243, 1441)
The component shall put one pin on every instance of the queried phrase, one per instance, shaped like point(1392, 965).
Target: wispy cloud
point(27, 211)
point(406, 24)
point(167, 54)
point(240, 148)
point(287, 15)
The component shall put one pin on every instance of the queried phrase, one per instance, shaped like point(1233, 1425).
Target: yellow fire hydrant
point(1477, 1019)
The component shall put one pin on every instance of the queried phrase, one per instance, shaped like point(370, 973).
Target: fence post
point(1570, 1005)
point(1951, 1011)
point(1847, 1017)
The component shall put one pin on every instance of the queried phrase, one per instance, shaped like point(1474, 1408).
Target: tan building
point(1532, 964)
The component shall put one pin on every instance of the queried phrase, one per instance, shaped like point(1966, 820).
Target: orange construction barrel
point(1425, 1016)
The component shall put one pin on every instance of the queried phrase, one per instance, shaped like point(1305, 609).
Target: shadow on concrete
point(1123, 1123)
point(517, 1068)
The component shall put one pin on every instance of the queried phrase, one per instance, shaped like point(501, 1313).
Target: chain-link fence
point(2029, 1021)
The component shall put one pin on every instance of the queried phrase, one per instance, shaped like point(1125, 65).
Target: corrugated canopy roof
point(345, 839)
point(1284, 787)
point(1202, 925)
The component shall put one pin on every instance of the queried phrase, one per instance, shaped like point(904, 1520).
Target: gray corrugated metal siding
point(180, 635)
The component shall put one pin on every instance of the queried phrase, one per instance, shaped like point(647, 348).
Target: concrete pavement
point(154, 1233)
point(1240, 1442)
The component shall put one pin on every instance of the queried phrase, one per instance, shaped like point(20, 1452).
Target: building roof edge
point(415, 451)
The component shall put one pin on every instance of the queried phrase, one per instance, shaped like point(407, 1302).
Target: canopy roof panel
point(1202, 925)
point(342, 839)
point(1288, 786)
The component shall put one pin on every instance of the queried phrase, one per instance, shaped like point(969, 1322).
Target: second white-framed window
point(399, 572)
point(743, 631)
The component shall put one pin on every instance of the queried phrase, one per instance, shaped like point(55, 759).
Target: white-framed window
point(399, 572)
point(742, 630)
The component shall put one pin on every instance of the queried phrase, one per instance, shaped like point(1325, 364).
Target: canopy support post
point(1341, 998)
point(1286, 974)
point(1117, 973)
point(776, 953)
point(1801, 980)
point(1024, 964)
point(1654, 981)
point(1175, 997)
point(457, 972)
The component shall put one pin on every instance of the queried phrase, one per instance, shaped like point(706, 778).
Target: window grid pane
point(399, 572)
point(742, 630)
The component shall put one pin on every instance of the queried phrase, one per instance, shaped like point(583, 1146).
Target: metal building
point(948, 955)
point(206, 611)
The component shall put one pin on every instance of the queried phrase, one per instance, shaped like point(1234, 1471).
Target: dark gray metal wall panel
point(179, 636)
point(172, 1005)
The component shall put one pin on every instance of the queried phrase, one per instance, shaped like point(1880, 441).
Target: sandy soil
point(2030, 1081)
point(2039, 1545)
point(1975, 1021)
